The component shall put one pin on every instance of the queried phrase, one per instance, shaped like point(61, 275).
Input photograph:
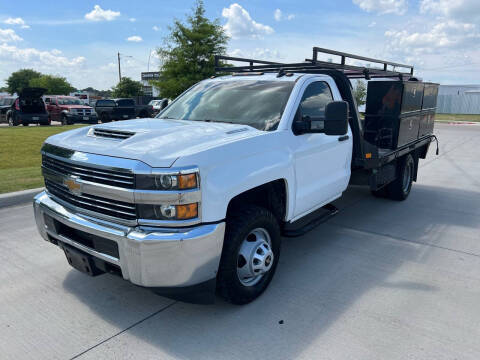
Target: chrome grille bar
point(108, 177)
point(94, 203)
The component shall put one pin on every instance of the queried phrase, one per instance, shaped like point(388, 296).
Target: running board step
point(310, 221)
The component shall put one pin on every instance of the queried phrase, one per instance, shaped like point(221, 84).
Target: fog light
point(165, 211)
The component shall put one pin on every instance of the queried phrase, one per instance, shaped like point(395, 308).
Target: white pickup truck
point(197, 199)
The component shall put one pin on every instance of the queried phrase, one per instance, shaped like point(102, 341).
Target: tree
point(55, 85)
point(21, 79)
point(188, 52)
point(127, 88)
point(360, 92)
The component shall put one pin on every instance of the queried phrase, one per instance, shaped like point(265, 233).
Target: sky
point(80, 39)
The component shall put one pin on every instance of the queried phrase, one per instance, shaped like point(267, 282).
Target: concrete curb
point(18, 197)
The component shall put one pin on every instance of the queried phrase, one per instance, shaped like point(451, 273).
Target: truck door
point(322, 162)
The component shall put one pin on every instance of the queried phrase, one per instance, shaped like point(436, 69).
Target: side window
point(314, 100)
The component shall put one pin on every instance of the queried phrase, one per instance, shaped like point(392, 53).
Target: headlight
point(168, 212)
point(167, 181)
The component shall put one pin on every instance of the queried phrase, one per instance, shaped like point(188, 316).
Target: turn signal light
point(188, 211)
point(188, 181)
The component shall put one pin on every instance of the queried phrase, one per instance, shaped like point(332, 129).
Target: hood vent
point(236, 131)
point(110, 134)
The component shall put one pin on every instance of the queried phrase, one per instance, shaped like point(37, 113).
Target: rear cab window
point(107, 103)
point(126, 102)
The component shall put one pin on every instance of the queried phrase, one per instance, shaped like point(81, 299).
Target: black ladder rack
point(315, 66)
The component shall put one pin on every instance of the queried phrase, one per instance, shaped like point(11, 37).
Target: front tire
point(250, 254)
point(399, 189)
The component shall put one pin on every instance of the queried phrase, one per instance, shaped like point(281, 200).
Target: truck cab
point(198, 199)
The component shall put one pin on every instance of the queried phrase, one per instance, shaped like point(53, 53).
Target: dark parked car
point(28, 108)
point(115, 109)
point(5, 105)
point(121, 109)
point(69, 110)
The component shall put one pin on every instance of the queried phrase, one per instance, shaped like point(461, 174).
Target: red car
point(69, 110)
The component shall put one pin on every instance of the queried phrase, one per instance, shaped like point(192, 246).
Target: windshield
point(69, 101)
point(7, 101)
point(259, 104)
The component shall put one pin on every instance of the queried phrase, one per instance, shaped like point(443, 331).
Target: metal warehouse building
point(459, 99)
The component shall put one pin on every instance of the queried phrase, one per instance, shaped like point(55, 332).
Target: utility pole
point(119, 71)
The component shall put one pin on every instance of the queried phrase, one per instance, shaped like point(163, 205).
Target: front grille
point(84, 112)
point(89, 173)
point(112, 134)
point(114, 208)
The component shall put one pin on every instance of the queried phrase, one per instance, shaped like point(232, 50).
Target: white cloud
point(443, 36)
point(39, 59)
point(155, 28)
point(9, 35)
point(372, 24)
point(132, 19)
point(278, 15)
point(16, 21)
point(135, 38)
point(398, 7)
point(240, 24)
point(257, 53)
point(98, 14)
point(461, 10)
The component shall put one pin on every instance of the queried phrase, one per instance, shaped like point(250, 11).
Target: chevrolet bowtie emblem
point(73, 185)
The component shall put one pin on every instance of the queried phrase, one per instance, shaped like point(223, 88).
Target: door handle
point(343, 138)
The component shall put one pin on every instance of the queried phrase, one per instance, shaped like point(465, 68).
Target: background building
point(458, 99)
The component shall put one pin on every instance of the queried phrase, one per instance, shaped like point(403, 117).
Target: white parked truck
point(197, 199)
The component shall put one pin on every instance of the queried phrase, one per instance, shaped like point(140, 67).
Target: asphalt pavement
point(381, 280)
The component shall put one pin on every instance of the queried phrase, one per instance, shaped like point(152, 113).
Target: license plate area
point(80, 261)
point(85, 118)
point(35, 118)
point(125, 116)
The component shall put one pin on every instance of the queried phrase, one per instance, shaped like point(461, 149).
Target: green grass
point(457, 117)
point(20, 157)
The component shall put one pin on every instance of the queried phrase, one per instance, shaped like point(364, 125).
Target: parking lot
point(381, 280)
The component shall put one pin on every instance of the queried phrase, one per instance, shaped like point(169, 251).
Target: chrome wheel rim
point(407, 174)
point(255, 257)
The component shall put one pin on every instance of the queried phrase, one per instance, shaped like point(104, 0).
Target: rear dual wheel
point(400, 188)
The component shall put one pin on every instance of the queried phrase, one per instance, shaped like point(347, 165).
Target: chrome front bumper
point(148, 256)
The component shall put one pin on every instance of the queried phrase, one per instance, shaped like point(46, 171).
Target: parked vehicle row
point(32, 107)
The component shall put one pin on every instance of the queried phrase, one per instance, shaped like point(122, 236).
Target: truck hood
point(156, 142)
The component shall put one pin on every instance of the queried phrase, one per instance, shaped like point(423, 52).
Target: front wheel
point(250, 254)
point(400, 188)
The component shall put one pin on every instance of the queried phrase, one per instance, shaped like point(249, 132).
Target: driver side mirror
point(336, 118)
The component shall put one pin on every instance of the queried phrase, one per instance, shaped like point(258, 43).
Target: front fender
point(224, 182)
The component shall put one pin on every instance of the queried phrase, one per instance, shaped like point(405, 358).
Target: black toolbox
point(397, 112)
